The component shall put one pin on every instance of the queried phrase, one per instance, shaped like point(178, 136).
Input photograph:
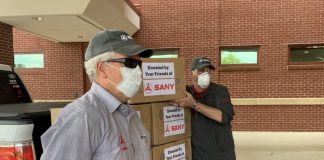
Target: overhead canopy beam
point(69, 21)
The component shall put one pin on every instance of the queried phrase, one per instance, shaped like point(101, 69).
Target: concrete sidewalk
point(279, 145)
point(279, 153)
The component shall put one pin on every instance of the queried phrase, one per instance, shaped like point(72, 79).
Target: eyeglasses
point(128, 62)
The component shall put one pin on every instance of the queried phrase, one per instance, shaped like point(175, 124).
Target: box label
point(173, 118)
point(159, 87)
point(175, 153)
point(158, 70)
point(174, 128)
point(172, 113)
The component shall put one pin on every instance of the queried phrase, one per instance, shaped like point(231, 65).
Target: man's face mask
point(132, 79)
point(204, 80)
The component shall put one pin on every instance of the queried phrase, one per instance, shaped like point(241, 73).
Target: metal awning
point(69, 20)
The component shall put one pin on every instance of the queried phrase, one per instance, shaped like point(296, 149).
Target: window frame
point(239, 47)
point(303, 63)
point(28, 53)
point(167, 49)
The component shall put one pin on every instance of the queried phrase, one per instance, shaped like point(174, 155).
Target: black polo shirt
point(212, 140)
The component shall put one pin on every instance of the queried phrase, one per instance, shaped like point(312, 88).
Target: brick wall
point(273, 25)
point(62, 75)
point(279, 118)
point(6, 47)
point(199, 28)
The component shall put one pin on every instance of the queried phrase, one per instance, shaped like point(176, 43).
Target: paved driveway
point(279, 145)
point(279, 153)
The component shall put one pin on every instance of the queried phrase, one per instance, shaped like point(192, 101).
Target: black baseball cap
point(201, 62)
point(115, 41)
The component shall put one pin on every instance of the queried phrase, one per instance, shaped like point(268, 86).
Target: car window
point(12, 89)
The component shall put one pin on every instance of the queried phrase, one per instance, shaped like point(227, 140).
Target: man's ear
point(101, 67)
point(194, 75)
point(194, 72)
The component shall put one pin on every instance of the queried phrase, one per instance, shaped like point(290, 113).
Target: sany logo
point(148, 88)
point(167, 129)
point(163, 87)
point(122, 144)
point(174, 128)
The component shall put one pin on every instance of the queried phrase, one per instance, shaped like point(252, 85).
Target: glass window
point(12, 89)
point(238, 56)
point(165, 54)
point(306, 53)
point(35, 60)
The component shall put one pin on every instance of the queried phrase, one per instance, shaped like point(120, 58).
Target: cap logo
point(123, 37)
point(203, 60)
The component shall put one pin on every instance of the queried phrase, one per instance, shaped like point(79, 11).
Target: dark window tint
point(11, 89)
point(307, 53)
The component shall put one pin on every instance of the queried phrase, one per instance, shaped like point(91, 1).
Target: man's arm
point(68, 140)
point(221, 116)
point(210, 112)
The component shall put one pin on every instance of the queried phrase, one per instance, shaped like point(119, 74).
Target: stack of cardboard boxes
point(169, 126)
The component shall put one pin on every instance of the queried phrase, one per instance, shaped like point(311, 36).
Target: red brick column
point(6, 45)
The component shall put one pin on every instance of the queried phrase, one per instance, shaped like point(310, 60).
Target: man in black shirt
point(213, 112)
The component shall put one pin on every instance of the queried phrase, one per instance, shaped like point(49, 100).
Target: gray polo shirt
point(96, 127)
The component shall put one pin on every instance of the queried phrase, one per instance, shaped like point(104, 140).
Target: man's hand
point(211, 112)
point(188, 101)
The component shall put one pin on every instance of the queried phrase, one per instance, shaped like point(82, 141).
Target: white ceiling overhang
point(69, 20)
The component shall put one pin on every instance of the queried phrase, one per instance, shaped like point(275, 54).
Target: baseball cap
point(201, 62)
point(116, 41)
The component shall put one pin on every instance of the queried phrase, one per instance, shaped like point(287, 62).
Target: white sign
point(175, 153)
point(158, 70)
point(172, 113)
point(172, 128)
point(159, 87)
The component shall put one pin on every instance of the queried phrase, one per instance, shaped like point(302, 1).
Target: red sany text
point(175, 128)
point(163, 87)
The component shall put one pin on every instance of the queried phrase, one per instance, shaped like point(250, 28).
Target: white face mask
point(204, 80)
point(132, 79)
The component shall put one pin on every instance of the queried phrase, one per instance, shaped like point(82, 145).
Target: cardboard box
point(163, 80)
point(180, 149)
point(144, 112)
point(169, 123)
point(54, 113)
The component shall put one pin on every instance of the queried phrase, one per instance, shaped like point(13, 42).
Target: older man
point(100, 125)
point(213, 112)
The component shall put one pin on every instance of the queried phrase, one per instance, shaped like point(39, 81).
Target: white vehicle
point(16, 142)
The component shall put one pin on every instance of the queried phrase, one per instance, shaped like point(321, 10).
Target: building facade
point(6, 44)
point(273, 94)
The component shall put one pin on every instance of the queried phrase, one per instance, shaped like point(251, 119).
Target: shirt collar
point(199, 94)
point(108, 99)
